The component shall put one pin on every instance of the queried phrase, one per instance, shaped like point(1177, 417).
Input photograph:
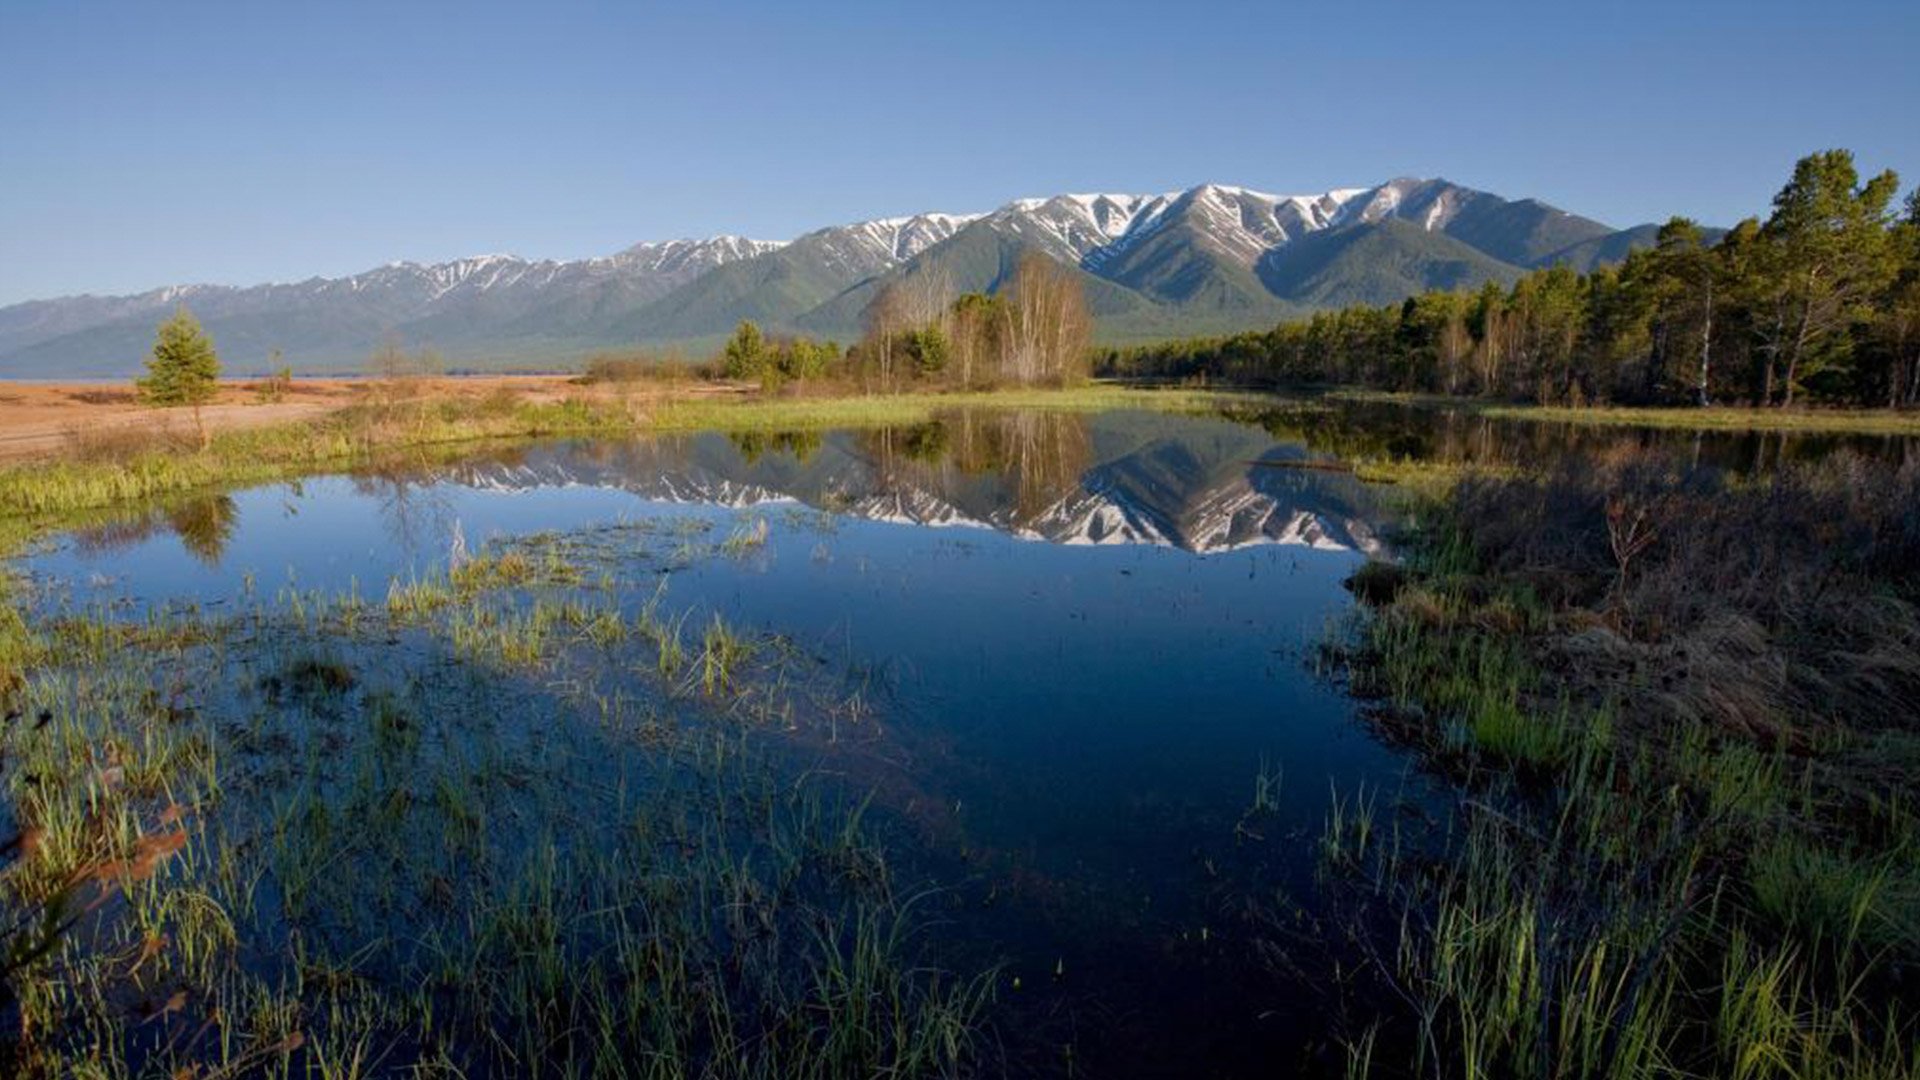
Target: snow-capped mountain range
point(1209, 257)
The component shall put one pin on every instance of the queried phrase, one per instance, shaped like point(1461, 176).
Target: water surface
point(1083, 636)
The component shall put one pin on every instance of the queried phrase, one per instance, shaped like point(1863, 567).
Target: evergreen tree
point(1548, 308)
point(928, 348)
point(184, 370)
point(745, 356)
point(1896, 326)
point(1829, 241)
point(1684, 291)
point(1821, 300)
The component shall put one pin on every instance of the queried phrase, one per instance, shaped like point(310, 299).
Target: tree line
point(1819, 302)
point(919, 332)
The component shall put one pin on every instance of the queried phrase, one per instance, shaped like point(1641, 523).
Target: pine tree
point(184, 369)
point(1683, 282)
point(746, 352)
point(1830, 254)
point(1896, 323)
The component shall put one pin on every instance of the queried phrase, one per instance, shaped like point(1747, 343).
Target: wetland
point(995, 741)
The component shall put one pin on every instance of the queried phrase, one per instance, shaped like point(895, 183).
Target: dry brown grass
point(118, 443)
point(1759, 605)
point(104, 397)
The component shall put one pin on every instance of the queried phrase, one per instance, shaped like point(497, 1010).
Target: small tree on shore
point(745, 356)
point(184, 369)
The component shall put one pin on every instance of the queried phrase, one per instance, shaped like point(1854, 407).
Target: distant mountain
point(1521, 232)
point(1613, 247)
point(1378, 262)
point(462, 307)
point(1207, 259)
point(780, 286)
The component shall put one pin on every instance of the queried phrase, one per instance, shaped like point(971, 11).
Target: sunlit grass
point(1712, 418)
point(777, 414)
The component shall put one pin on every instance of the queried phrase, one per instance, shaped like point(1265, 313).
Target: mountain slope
point(1614, 247)
point(981, 257)
point(1208, 259)
point(1520, 232)
point(778, 287)
point(463, 307)
point(1376, 263)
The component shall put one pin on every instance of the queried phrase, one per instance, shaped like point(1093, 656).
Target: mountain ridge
point(1201, 259)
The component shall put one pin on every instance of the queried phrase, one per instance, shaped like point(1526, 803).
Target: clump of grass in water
point(501, 571)
point(666, 636)
point(1266, 801)
point(746, 538)
point(19, 646)
point(723, 651)
point(309, 678)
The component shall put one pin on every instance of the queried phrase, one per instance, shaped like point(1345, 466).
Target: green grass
point(489, 851)
point(36, 496)
point(1619, 892)
point(803, 414)
point(1714, 418)
point(40, 491)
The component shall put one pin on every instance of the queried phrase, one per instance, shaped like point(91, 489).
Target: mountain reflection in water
point(1065, 478)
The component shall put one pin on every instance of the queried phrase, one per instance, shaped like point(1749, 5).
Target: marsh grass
point(134, 468)
point(442, 835)
point(798, 414)
point(138, 470)
point(1718, 418)
point(746, 538)
point(1676, 853)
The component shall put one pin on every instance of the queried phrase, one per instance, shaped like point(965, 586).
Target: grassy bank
point(1681, 709)
point(353, 436)
point(1714, 418)
point(804, 413)
point(366, 434)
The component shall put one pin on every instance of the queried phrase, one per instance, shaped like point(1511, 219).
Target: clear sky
point(145, 143)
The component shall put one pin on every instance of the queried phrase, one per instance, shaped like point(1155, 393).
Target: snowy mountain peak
point(1239, 223)
point(897, 239)
point(1212, 250)
point(691, 257)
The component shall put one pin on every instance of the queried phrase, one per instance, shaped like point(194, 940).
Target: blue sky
point(143, 143)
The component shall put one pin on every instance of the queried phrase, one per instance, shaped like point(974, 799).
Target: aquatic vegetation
point(18, 644)
point(1678, 855)
point(746, 538)
point(722, 651)
point(1713, 418)
point(640, 816)
point(374, 843)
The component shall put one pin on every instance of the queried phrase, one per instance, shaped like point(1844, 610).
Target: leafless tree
point(1047, 327)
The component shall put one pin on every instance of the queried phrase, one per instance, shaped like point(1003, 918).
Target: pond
point(1064, 667)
